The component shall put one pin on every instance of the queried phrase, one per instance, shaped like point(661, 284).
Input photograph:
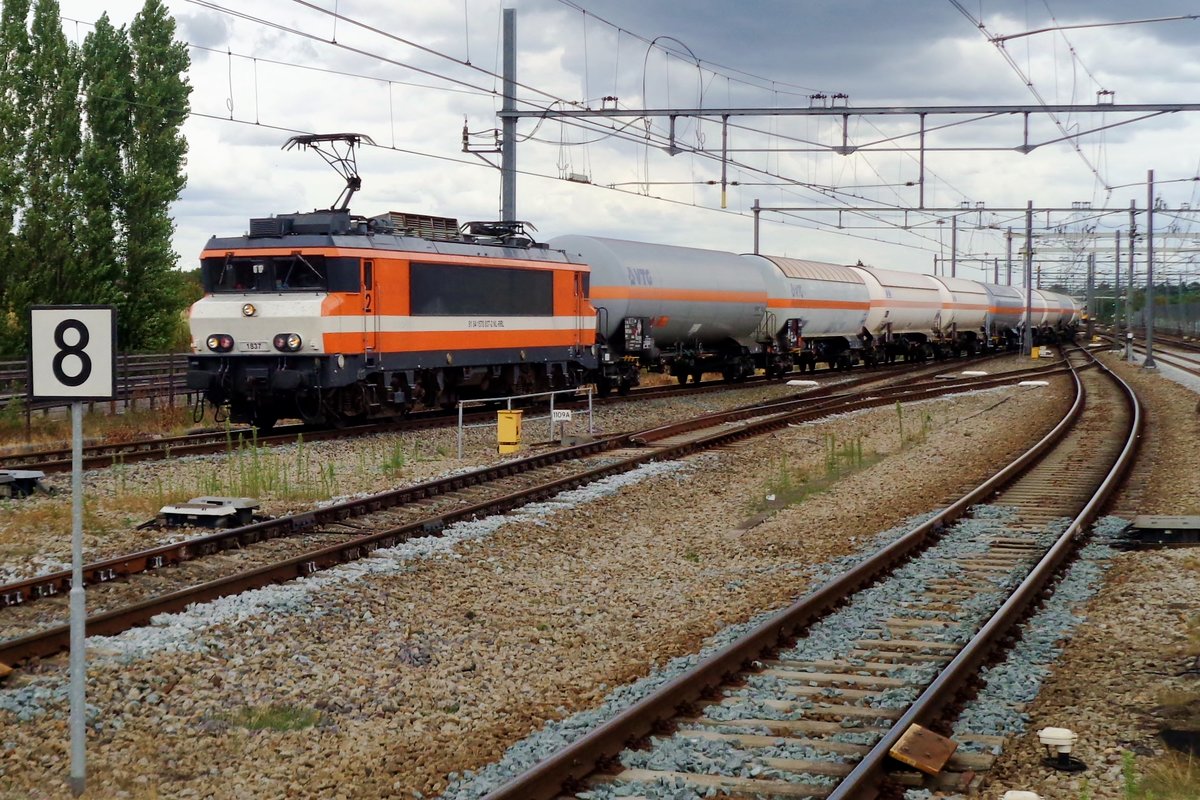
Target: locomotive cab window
point(236, 275)
point(300, 273)
point(291, 273)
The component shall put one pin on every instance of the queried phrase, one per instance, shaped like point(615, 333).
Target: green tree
point(51, 156)
point(14, 122)
point(108, 101)
point(153, 296)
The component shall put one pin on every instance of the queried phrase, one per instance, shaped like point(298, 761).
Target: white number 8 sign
point(72, 352)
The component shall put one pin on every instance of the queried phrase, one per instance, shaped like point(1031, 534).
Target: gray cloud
point(879, 52)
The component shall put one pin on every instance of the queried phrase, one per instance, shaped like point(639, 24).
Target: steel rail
point(109, 454)
point(864, 778)
point(565, 769)
point(1176, 360)
point(109, 569)
point(51, 640)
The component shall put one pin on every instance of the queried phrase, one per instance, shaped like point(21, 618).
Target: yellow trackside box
point(508, 431)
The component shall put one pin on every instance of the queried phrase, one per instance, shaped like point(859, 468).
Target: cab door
point(579, 303)
point(370, 312)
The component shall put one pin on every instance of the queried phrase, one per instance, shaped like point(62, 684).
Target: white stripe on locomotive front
point(302, 315)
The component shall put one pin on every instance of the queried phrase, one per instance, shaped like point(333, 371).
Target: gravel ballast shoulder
point(1130, 654)
point(437, 664)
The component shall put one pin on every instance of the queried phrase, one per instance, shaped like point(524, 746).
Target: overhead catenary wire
point(656, 137)
point(1023, 74)
point(611, 131)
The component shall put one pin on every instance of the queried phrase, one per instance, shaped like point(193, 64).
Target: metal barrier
point(508, 401)
point(151, 378)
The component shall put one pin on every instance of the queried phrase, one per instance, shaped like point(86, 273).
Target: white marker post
point(73, 356)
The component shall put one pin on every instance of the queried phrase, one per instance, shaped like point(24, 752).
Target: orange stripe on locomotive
point(389, 296)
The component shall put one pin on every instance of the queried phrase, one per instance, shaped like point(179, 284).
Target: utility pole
point(1149, 362)
point(1008, 258)
point(1091, 280)
point(1117, 280)
point(954, 246)
point(508, 135)
point(757, 209)
point(1027, 334)
point(1129, 298)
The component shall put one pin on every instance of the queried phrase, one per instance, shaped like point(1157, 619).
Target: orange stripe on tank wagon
point(805, 303)
point(458, 340)
point(693, 295)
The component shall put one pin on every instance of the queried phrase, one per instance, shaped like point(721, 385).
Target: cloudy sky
point(409, 73)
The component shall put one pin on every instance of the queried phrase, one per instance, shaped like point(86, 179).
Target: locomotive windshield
point(296, 272)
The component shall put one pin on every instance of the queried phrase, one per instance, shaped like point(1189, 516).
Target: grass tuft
point(1174, 776)
point(275, 717)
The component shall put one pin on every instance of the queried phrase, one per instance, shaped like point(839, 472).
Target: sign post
point(73, 356)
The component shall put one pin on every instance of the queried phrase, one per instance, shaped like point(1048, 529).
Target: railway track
point(299, 545)
point(1182, 355)
point(811, 701)
point(100, 455)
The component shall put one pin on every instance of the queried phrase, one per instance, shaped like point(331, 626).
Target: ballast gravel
point(440, 666)
point(1131, 653)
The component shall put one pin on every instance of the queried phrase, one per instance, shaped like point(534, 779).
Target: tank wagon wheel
point(682, 378)
point(623, 387)
point(603, 387)
point(264, 421)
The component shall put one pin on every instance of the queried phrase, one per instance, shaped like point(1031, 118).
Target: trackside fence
point(142, 380)
point(551, 417)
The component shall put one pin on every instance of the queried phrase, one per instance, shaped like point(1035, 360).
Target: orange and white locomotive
point(326, 317)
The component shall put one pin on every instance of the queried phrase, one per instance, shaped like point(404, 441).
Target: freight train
point(331, 317)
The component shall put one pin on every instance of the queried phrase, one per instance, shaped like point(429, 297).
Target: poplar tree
point(157, 154)
point(108, 101)
point(51, 156)
point(14, 122)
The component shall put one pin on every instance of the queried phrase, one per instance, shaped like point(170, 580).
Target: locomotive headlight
point(219, 342)
point(248, 310)
point(288, 342)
